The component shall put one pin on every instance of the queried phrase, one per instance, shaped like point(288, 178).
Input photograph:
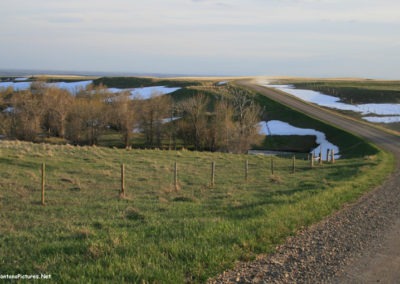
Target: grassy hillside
point(87, 233)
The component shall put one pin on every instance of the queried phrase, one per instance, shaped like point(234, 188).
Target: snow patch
point(334, 102)
point(75, 87)
point(72, 87)
point(19, 86)
point(382, 119)
point(8, 110)
point(276, 127)
point(146, 92)
point(170, 119)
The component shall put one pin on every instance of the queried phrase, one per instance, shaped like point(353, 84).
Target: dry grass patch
point(276, 179)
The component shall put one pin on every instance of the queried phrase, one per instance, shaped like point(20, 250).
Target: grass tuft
point(133, 214)
point(276, 179)
point(183, 199)
point(82, 234)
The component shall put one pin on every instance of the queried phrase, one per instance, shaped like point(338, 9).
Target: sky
point(317, 38)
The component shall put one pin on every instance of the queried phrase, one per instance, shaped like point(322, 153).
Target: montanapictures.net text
point(25, 276)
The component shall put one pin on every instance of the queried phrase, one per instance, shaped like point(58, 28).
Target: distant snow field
point(276, 127)
point(146, 92)
point(72, 87)
point(382, 119)
point(19, 86)
point(75, 87)
point(388, 110)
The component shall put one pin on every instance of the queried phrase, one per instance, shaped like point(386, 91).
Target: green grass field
point(88, 233)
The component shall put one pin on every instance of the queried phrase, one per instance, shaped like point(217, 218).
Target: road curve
point(373, 255)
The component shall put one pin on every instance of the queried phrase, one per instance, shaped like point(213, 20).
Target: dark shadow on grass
point(255, 209)
point(63, 249)
point(18, 163)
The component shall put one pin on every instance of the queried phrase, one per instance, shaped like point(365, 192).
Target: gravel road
point(359, 244)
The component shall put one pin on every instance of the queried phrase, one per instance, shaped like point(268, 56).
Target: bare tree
point(89, 116)
point(38, 86)
point(224, 125)
point(248, 128)
point(5, 119)
point(171, 126)
point(247, 117)
point(123, 114)
point(194, 112)
point(26, 115)
point(56, 105)
point(152, 112)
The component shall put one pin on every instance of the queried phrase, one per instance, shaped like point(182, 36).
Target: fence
point(153, 178)
point(90, 175)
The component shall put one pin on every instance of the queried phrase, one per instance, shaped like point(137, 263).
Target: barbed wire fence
point(89, 175)
point(150, 179)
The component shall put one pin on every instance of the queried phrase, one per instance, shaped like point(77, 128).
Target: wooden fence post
point(294, 164)
point(333, 156)
point(272, 165)
point(327, 154)
point(122, 180)
point(320, 156)
point(246, 170)
point(312, 160)
point(43, 181)
point(176, 176)
point(212, 174)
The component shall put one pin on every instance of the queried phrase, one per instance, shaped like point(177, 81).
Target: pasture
point(87, 232)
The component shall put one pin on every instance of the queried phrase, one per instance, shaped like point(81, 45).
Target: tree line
point(222, 120)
